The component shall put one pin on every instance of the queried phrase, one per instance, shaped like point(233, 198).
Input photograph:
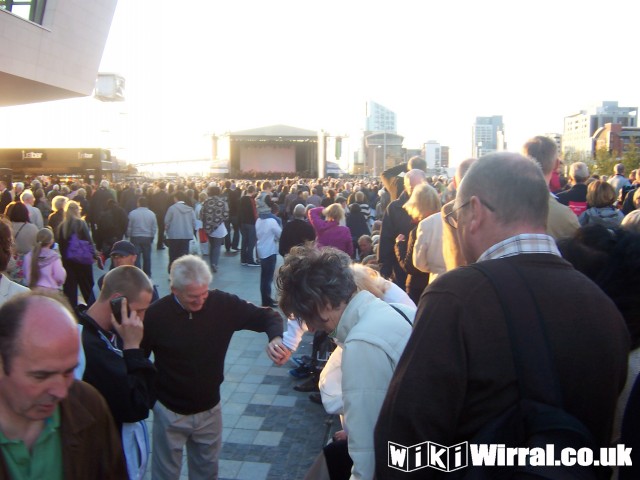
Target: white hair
point(189, 270)
point(26, 196)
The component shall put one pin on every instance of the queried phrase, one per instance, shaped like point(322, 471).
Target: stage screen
point(268, 159)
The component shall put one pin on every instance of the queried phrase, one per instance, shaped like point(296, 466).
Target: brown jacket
point(457, 372)
point(91, 446)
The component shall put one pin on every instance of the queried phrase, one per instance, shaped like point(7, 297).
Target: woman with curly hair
point(318, 287)
point(24, 238)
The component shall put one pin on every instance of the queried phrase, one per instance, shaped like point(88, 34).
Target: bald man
point(457, 371)
point(51, 426)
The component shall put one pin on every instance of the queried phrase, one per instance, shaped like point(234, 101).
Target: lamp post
point(384, 152)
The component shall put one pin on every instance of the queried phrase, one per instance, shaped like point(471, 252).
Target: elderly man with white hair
point(576, 197)
point(189, 332)
point(35, 215)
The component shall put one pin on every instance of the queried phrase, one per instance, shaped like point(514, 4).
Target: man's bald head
point(42, 318)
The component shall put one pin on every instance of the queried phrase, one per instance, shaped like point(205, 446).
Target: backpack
point(538, 418)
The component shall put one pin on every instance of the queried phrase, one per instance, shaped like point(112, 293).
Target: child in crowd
point(264, 201)
point(43, 266)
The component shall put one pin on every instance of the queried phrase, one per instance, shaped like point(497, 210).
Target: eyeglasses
point(452, 217)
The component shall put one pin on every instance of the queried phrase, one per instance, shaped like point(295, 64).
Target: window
point(32, 10)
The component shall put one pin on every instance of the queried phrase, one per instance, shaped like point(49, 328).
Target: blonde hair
point(44, 238)
point(334, 212)
point(71, 219)
point(59, 202)
point(424, 201)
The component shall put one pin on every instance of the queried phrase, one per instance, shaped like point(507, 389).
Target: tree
point(603, 162)
point(631, 157)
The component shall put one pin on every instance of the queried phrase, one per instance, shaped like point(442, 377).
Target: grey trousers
point(201, 433)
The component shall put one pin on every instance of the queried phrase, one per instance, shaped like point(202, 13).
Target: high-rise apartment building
point(580, 127)
point(487, 136)
point(380, 119)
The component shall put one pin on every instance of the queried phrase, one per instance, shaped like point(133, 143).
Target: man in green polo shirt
point(51, 426)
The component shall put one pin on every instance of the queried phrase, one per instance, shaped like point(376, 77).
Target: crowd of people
point(397, 274)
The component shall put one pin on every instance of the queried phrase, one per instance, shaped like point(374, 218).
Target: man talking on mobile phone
point(116, 365)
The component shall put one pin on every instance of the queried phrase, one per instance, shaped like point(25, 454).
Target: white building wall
point(58, 59)
point(432, 154)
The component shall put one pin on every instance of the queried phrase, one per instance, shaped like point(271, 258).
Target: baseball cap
point(123, 248)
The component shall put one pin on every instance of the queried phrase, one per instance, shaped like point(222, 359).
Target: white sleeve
point(293, 336)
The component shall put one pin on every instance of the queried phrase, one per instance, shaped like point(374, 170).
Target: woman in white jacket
point(318, 287)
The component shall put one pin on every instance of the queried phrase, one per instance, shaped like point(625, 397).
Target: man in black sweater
point(189, 332)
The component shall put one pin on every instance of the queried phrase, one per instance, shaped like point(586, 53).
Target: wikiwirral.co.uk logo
point(455, 457)
point(428, 454)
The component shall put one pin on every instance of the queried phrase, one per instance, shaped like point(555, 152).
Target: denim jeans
point(232, 240)
point(143, 249)
point(248, 244)
point(267, 269)
point(214, 251)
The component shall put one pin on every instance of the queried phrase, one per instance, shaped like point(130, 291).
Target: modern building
point(380, 119)
point(381, 145)
point(433, 154)
point(444, 157)
point(51, 50)
point(383, 150)
point(488, 136)
point(580, 127)
point(615, 138)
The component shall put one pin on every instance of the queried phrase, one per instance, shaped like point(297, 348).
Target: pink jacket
point(330, 234)
point(52, 273)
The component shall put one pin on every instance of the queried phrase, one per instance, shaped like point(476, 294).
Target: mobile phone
point(116, 308)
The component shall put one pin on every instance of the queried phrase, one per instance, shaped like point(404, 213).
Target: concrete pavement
point(270, 430)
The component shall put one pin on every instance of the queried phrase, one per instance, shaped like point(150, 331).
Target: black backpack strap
point(401, 313)
point(532, 356)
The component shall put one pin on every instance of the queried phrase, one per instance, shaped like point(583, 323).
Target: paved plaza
point(270, 430)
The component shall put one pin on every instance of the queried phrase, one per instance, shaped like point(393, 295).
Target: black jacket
point(396, 220)
point(124, 378)
point(247, 214)
point(416, 279)
point(577, 193)
point(295, 232)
